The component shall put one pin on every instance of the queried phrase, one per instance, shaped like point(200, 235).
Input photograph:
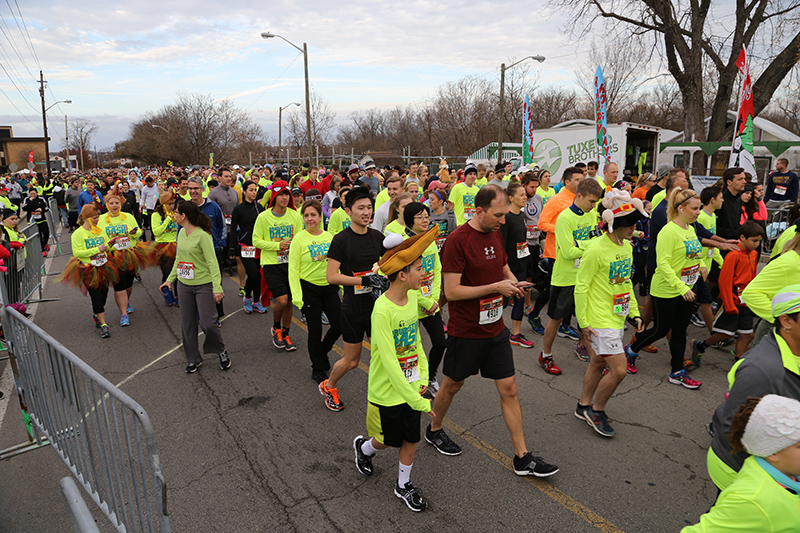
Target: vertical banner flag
point(742, 148)
point(211, 159)
point(601, 118)
point(527, 132)
point(30, 156)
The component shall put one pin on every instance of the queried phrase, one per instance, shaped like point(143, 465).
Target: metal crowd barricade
point(79, 515)
point(25, 269)
point(103, 436)
point(54, 221)
point(777, 222)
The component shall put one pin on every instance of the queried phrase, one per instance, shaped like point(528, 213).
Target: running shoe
point(441, 441)
point(242, 292)
point(697, 321)
point(332, 400)
point(44, 254)
point(631, 359)
point(224, 360)
point(124, 321)
point(325, 320)
point(582, 353)
point(191, 368)
point(532, 465)
point(683, 378)
point(259, 308)
point(536, 324)
point(104, 333)
point(277, 338)
point(566, 331)
point(580, 410)
point(548, 365)
point(130, 309)
point(433, 388)
point(529, 310)
point(697, 354)
point(217, 324)
point(721, 345)
point(96, 320)
point(363, 461)
point(411, 497)
point(599, 422)
point(288, 345)
point(248, 305)
point(137, 278)
point(649, 348)
point(520, 340)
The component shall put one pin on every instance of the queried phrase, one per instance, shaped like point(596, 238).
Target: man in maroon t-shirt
point(476, 277)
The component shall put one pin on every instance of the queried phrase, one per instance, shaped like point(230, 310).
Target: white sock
point(547, 355)
point(404, 474)
point(368, 449)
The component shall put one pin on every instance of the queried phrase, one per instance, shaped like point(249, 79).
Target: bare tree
point(322, 124)
point(687, 39)
point(81, 131)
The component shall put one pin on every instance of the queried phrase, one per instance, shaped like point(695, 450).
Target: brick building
point(16, 149)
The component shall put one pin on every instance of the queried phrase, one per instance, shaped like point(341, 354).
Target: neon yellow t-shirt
point(545, 195)
point(775, 276)
point(381, 198)
point(603, 290)
point(165, 230)
point(785, 237)
point(339, 221)
point(660, 197)
point(710, 254)
point(463, 199)
point(573, 232)
point(308, 260)
point(268, 232)
point(678, 254)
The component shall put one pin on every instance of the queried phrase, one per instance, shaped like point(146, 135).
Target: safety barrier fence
point(103, 436)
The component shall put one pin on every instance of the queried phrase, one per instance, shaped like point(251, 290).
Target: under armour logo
point(489, 250)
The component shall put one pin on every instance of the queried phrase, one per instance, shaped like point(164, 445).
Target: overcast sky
point(119, 60)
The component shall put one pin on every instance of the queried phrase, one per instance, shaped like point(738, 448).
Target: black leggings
point(165, 263)
point(252, 284)
point(668, 314)
point(435, 327)
point(98, 297)
point(44, 233)
point(316, 299)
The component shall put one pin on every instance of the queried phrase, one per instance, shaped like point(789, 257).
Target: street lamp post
point(501, 121)
point(44, 123)
point(280, 113)
point(304, 50)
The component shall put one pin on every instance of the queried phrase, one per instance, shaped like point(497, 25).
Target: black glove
point(378, 283)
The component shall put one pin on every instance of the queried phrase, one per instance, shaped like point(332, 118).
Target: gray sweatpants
point(198, 299)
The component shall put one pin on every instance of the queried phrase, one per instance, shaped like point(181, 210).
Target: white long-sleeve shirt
point(148, 197)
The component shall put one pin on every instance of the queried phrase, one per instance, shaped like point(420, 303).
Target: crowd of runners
point(368, 253)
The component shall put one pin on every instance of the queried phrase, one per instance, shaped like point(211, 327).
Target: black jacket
point(729, 216)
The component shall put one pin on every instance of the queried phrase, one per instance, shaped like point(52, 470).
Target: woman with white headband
point(765, 496)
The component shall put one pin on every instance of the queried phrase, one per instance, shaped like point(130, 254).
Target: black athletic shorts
point(277, 278)
point(355, 325)
point(562, 302)
point(125, 281)
point(492, 357)
point(730, 324)
point(702, 292)
point(393, 425)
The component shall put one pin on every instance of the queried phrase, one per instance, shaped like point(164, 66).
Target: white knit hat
point(773, 426)
point(621, 208)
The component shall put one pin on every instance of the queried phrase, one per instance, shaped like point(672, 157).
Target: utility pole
point(44, 124)
point(66, 140)
point(500, 121)
point(308, 103)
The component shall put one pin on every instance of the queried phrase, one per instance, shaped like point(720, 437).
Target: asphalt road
point(255, 449)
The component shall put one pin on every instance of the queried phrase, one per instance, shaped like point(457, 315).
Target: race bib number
point(469, 213)
point(185, 270)
point(410, 366)
point(122, 243)
point(491, 310)
point(98, 260)
point(522, 250)
point(690, 274)
point(283, 256)
point(780, 189)
point(249, 252)
point(440, 243)
point(710, 253)
point(362, 289)
point(38, 213)
point(577, 263)
point(426, 285)
point(227, 220)
point(622, 304)
point(531, 230)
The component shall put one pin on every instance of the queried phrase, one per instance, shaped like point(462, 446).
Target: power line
point(27, 44)
point(30, 41)
point(273, 82)
point(17, 88)
point(14, 47)
point(15, 106)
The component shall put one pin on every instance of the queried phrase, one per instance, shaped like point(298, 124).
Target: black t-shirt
point(357, 254)
point(515, 241)
point(243, 219)
point(35, 209)
point(130, 204)
point(655, 189)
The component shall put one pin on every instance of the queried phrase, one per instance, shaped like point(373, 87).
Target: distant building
point(15, 151)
